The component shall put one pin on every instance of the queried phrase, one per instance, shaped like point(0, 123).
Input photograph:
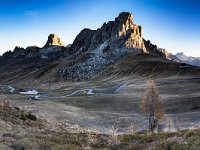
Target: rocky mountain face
point(53, 40)
point(25, 60)
point(107, 45)
point(90, 53)
point(118, 34)
point(188, 59)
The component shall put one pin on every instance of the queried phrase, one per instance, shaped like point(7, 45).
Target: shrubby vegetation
point(183, 140)
point(30, 132)
point(151, 106)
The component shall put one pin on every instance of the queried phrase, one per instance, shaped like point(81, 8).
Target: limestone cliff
point(53, 39)
point(90, 53)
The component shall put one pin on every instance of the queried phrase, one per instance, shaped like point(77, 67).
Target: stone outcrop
point(106, 45)
point(53, 40)
point(129, 33)
point(90, 53)
point(121, 33)
point(19, 51)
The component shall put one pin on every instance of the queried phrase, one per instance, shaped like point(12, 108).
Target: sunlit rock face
point(90, 53)
point(53, 40)
point(127, 32)
point(96, 49)
point(121, 33)
point(104, 46)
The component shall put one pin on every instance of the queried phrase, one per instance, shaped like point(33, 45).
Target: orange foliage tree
point(151, 106)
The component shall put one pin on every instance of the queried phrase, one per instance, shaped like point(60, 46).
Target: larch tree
point(151, 106)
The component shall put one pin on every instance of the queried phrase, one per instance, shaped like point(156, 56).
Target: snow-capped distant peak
point(188, 59)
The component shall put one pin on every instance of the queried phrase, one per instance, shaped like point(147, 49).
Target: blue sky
point(171, 24)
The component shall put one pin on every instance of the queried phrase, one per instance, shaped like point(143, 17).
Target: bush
point(194, 142)
point(31, 117)
point(23, 116)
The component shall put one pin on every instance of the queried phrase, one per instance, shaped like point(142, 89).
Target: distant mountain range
point(91, 54)
point(188, 59)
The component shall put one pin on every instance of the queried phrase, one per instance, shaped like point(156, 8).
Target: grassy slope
point(17, 131)
point(19, 134)
point(140, 65)
point(185, 140)
point(144, 65)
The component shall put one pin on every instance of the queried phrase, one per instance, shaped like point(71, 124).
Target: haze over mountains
point(188, 59)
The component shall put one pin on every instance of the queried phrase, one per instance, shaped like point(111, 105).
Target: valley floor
point(107, 109)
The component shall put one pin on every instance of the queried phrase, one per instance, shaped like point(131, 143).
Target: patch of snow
point(75, 92)
point(30, 55)
point(31, 92)
point(44, 57)
point(7, 88)
point(38, 97)
point(184, 66)
point(50, 49)
point(90, 92)
point(188, 59)
point(11, 89)
point(121, 87)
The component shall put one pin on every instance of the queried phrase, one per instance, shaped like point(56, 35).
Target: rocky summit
point(119, 34)
point(53, 40)
point(107, 45)
point(90, 54)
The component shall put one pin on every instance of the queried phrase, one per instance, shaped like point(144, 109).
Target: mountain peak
point(181, 56)
point(53, 39)
point(18, 47)
point(128, 32)
point(188, 59)
point(124, 24)
point(93, 50)
point(125, 16)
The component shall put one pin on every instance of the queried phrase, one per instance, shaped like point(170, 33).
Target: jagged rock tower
point(119, 34)
point(104, 46)
point(90, 53)
point(53, 40)
point(129, 33)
